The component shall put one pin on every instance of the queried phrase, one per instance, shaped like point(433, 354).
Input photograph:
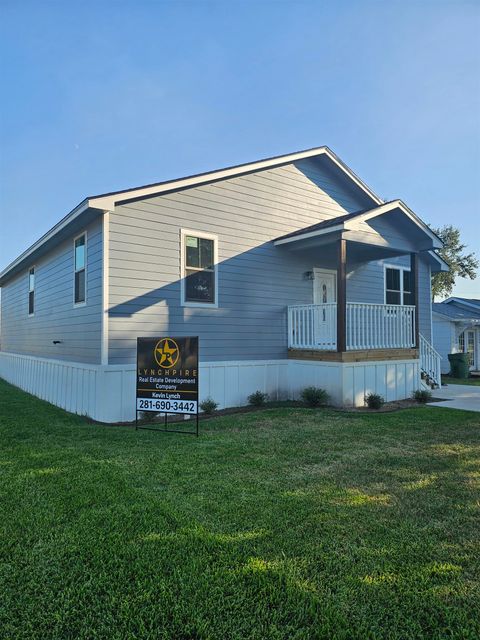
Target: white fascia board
point(310, 234)
point(79, 209)
point(390, 206)
point(443, 265)
point(108, 201)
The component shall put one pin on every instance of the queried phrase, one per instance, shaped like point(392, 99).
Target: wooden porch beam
point(415, 281)
point(341, 295)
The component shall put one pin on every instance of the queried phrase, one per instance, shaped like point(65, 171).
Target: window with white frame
point(398, 286)
point(199, 269)
point(31, 291)
point(80, 281)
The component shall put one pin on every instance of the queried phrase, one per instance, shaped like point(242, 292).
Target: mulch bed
point(388, 407)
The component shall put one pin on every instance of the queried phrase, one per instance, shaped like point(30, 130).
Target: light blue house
point(291, 271)
point(456, 328)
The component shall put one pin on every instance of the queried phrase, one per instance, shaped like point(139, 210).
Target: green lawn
point(284, 523)
point(475, 381)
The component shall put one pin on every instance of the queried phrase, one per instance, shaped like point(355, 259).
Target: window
point(466, 344)
point(79, 294)
point(398, 286)
point(31, 291)
point(199, 269)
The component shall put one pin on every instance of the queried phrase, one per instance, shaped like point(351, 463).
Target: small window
point(398, 286)
point(393, 293)
point(79, 296)
point(199, 269)
point(31, 291)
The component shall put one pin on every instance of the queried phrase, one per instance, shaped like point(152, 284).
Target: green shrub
point(208, 405)
point(374, 400)
point(315, 396)
point(422, 395)
point(257, 399)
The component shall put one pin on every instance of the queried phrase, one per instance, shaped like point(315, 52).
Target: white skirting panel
point(107, 392)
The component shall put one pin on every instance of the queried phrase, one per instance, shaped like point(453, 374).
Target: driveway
point(458, 396)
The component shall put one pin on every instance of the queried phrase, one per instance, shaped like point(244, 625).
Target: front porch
point(366, 290)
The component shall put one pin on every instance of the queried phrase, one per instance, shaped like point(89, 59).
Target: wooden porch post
point(414, 274)
point(341, 295)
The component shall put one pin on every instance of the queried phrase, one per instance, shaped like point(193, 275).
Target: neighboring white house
point(290, 270)
point(456, 328)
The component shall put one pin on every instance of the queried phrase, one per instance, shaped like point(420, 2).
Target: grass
point(472, 381)
point(277, 524)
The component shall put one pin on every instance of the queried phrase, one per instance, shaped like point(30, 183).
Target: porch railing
point(368, 326)
point(430, 362)
point(313, 326)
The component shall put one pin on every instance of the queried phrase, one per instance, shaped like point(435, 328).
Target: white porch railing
point(369, 326)
point(430, 363)
point(313, 326)
point(380, 326)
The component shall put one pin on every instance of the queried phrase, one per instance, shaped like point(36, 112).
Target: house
point(291, 271)
point(456, 328)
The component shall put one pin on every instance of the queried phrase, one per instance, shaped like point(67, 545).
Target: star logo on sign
point(166, 353)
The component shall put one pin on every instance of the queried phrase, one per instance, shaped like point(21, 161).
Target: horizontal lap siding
point(55, 318)
point(256, 279)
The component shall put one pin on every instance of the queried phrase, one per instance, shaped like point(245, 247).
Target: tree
point(462, 265)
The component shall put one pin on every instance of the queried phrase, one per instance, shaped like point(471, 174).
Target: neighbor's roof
point(345, 222)
point(107, 201)
point(470, 302)
point(455, 311)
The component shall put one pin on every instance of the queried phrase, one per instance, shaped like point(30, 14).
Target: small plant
point(208, 405)
point(314, 396)
point(257, 399)
point(422, 395)
point(374, 401)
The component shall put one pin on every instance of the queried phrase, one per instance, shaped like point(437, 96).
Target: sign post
point(167, 378)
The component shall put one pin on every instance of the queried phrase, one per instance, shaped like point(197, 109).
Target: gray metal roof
point(456, 311)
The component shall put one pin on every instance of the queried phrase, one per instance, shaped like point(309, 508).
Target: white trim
point(390, 206)
point(353, 224)
point(79, 209)
point(207, 236)
point(399, 267)
point(83, 303)
point(34, 267)
point(105, 285)
point(108, 201)
point(310, 234)
point(444, 267)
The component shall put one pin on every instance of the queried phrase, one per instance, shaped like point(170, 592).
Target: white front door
point(325, 294)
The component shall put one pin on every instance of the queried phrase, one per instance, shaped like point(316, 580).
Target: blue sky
point(109, 94)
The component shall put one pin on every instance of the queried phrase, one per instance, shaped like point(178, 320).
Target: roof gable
point(353, 222)
point(108, 201)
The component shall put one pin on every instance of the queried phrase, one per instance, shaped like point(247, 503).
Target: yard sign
point(167, 376)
